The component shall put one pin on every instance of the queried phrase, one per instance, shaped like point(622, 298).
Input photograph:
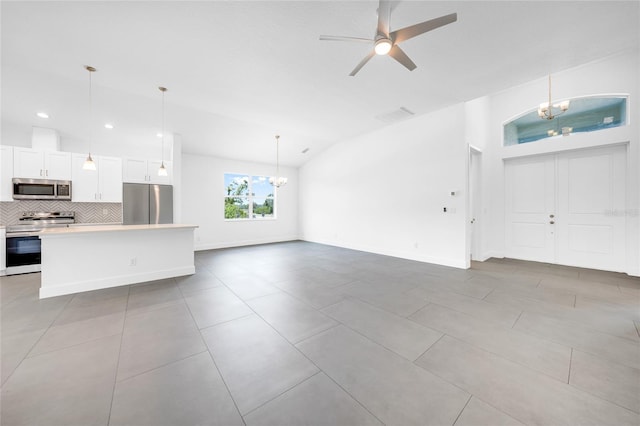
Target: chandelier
point(277, 180)
point(549, 111)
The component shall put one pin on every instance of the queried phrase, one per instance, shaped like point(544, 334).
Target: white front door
point(530, 213)
point(568, 208)
point(591, 206)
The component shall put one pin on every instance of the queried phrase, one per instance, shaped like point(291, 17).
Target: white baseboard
point(200, 246)
point(420, 257)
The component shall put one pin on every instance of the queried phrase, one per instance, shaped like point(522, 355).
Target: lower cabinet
point(103, 185)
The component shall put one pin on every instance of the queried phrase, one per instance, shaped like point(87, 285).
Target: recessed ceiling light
point(42, 115)
point(159, 134)
point(108, 126)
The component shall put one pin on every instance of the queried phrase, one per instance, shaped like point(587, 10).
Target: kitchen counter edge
point(49, 232)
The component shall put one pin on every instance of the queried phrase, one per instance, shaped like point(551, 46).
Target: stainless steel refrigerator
point(147, 204)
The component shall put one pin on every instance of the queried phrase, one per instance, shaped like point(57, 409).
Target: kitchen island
point(83, 258)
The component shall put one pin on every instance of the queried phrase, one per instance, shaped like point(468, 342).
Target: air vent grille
point(391, 117)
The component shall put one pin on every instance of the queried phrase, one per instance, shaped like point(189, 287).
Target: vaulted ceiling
point(239, 72)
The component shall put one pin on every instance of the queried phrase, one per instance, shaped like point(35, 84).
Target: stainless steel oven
point(23, 252)
point(23, 249)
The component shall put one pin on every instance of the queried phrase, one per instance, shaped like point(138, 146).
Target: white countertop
point(110, 228)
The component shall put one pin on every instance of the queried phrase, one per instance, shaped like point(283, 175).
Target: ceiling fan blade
point(399, 55)
point(384, 10)
point(362, 63)
point(406, 33)
point(341, 38)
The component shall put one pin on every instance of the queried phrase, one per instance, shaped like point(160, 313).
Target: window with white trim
point(248, 197)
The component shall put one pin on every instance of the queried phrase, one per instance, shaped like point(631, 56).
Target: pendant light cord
point(90, 69)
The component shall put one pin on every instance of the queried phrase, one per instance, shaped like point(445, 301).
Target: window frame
point(250, 197)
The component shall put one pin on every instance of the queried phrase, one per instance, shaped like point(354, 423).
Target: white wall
point(384, 192)
point(203, 204)
point(617, 74)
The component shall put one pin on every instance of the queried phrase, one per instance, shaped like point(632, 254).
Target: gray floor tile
point(586, 288)
point(14, 347)
point(153, 295)
point(316, 401)
point(213, 306)
point(606, 379)
point(291, 318)
point(186, 392)
point(512, 370)
point(75, 312)
point(256, 362)
point(471, 288)
point(615, 325)
point(314, 294)
point(618, 310)
point(384, 297)
point(30, 313)
point(479, 413)
point(504, 315)
point(197, 282)
point(99, 296)
point(525, 395)
point(550, 296)
point(395, 390)
point(74, 333)
point(531, 351)
point(404, 337)
point(16, 287)
point(157, 337)
point(72, 386)
point(605, 345)
point(377, 287)
point(249, 286)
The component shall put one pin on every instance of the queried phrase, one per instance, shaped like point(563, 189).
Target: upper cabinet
point(136, 170)
point(6, 173)
point(36, 164)
point(103, 185)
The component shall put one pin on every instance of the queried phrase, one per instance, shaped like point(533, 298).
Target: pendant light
point(162, 171)
point(549, 111)
point(89, 164)
point(278, 180)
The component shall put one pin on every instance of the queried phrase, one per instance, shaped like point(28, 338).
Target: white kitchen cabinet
point(103, 185)
point(6, 173)
point(136, 170)
point(110, 179)
point(36, 164)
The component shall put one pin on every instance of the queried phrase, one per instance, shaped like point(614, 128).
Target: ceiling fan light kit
point(386, 42)
point(383, 46)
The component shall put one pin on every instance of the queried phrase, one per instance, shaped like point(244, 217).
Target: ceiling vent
point(397, 115)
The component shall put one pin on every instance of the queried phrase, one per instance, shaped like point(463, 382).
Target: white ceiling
point(238, 72)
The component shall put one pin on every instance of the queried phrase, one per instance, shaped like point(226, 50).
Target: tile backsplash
point(85, 212)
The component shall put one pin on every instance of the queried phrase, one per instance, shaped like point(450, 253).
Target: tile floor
point(304, 334)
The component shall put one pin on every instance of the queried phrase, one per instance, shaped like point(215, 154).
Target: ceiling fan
point(386, 42)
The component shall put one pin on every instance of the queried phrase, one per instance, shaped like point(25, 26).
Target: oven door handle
point(21, 234)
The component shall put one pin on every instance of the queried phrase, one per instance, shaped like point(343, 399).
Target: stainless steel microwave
point(41, 189)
